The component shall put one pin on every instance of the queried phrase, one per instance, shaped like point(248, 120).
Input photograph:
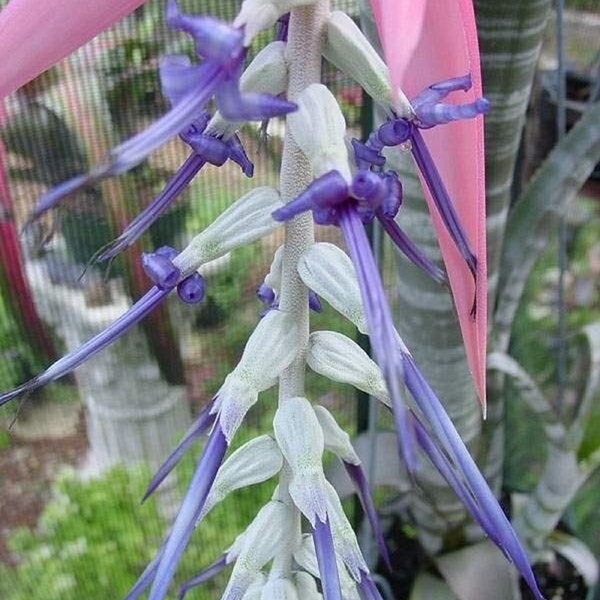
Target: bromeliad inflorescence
point(300, 545)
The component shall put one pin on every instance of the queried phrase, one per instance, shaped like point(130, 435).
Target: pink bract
point(426, 41)
point(35, 34)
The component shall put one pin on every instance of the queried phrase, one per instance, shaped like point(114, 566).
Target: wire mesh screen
point(72, 522)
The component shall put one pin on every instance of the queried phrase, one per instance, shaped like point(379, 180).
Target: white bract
point(266, 535)
point(246, 220)
point(318, 127)
point(307, 586)
point(254, 462)
point(273, 277)
point(328, 271)
point(344, 538)
point(300, 439)
point(256, 15)
point(349, 50)
point(339, 358)
point(280, 589)
point(336, 439)
point(269, 350)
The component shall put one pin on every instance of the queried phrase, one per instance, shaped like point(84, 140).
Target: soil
point(27, 469)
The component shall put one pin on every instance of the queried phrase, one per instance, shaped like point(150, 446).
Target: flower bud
point(300, 439)
point(254, 462)
point(336, 439)
point(318, 127)
point(341, 359)
point(269, 350)
point(349, 50)
point(246, 220)
point(328, 271)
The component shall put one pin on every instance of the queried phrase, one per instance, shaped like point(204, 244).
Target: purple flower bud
point(161, 271)
point(393, 195)
point(265, 294)
point(395, 132)
point(211, 149)
point(365, 156)
point(167, 251)
point(313, 302)
point(238, 155)
point(192, 289)
point(430, 115)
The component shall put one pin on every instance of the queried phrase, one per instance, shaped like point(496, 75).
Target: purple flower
point(208, 573)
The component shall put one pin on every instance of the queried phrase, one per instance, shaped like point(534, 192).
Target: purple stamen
point(155, 208)
point(442, 199)
point(161, 271)
point(73, 359)
point(361, 484)
point(444, 430)
point(381, 328)
point(235, 106)
point(368, 588)
point(208, 573)
point(412, 251)
point(192, 289)
point(190, 511)
point(203, 421)
point(330, 579)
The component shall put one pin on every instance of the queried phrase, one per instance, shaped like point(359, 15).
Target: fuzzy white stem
point(303, 54)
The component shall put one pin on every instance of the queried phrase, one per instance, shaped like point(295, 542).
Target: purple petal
point(503, 534)
point(156, 208)
point(329, 190)
point(283, 24)
point(438, 91)
point(190, 510)
point(73, 359)
point(213, 38)
point(368, 588)
point(54, 196)
point(366, 156)
point(412, 251)
point(133, 151)
point(192, 289)
point(204, 420)
point(236, 106)
point(330, 579)
point(178, 76)
point(430, 115)
point(395, 132)
point(357, 475)
point(204, 575)
point(382, 333)
point(442, 199)
point(161, 271)
point(211, 149)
